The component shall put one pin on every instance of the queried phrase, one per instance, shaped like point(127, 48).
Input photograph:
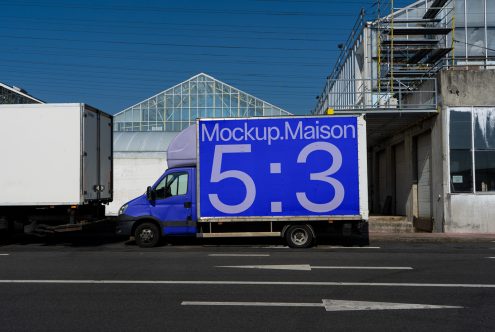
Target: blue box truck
point(296, 177)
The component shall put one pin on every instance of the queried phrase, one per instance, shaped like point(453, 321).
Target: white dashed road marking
point(307, 267)
point(336, 247)
point(243, 283)
point(239, 255)
point(329, 305)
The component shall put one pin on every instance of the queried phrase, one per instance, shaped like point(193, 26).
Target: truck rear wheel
point(299, 236)
point(147, 235)
point(4, 228)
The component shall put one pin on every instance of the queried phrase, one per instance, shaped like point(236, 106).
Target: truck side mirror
point(150, 194)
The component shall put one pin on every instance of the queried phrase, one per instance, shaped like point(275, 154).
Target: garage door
point(401, 185)
point(382, 180)
point(424, 176)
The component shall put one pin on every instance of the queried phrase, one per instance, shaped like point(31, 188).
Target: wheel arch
point(286, 227)
point(143, 220)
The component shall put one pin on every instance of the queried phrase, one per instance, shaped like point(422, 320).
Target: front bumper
point(125, 224)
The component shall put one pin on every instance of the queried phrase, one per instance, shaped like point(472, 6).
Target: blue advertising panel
point(296, 166)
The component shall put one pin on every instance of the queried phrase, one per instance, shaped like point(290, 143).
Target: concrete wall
point(467, 88)
point(469, 213)
point(465, 213)
point(439, 179)
point(133, 172)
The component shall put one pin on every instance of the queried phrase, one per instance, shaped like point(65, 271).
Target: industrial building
point(144, 131)
point(15, 95)
point(424, 76)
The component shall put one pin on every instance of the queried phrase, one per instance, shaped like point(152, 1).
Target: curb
point(432, 237)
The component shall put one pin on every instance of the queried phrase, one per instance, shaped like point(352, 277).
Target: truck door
point(173, 203)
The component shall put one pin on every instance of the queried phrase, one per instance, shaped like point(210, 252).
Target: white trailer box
point(54, 154)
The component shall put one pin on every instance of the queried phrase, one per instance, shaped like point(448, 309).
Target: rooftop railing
point(419, 94)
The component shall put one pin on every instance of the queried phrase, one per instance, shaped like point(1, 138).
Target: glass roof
point(201, 96)
point(13, 95)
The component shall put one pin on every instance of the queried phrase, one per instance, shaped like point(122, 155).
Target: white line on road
point(244, 283)
point(4, 254)
point(254, 304)
point(307, 267)
point(270, 247)
point(339, 305)
point(329, 305)
point(337, 247)
point(363, 267)
point(302, 267)
point(239, 255)
point(490, 257)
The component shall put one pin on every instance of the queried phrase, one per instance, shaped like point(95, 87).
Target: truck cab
point(167, 208)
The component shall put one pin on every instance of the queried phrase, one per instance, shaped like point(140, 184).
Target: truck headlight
point(122, 209)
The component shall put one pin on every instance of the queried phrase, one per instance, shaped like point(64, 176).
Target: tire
point(4, 229)
point(299, 236)
point(147, 235)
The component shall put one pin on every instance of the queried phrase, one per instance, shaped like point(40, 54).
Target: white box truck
point(55, 166)
point(292, 177)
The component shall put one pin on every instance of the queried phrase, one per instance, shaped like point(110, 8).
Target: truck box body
point(54, 154)
point(277, 168)
point(282, 168)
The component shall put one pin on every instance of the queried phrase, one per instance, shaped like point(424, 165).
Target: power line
point(97, 69)
point(98, 83)
point(68, 92)
point(242, 50)
point(311, 1)
point(474, 45)
point(275, 84)
point(172, 53)
point(195, 10)
point(179, 60)
point(170, 44)
point(175, 34)
point(148, 23)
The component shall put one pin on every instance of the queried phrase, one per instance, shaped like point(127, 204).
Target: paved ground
point(102, 283)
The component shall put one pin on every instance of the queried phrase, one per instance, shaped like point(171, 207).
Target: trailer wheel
point(147, 235)
point(299, 236)
point(4, 228)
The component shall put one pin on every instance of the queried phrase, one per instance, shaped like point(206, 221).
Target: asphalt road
point(94, 283)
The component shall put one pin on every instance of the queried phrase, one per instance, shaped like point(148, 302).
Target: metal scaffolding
point(413, 41)
point(392, 61)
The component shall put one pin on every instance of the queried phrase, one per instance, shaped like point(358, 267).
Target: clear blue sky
point(113, 54)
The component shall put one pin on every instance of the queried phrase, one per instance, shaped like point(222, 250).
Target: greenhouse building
point(201, 96)
point(143, 131)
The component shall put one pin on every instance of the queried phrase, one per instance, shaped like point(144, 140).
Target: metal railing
point(363, 94)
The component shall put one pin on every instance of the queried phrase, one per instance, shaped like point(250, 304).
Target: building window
point(461, 164)
point(472, 136)
point(484, 148)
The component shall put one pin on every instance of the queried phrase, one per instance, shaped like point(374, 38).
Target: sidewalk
point(432, 237)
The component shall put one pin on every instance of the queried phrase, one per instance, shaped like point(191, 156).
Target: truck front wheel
point(299, 236)
point(147, 235)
